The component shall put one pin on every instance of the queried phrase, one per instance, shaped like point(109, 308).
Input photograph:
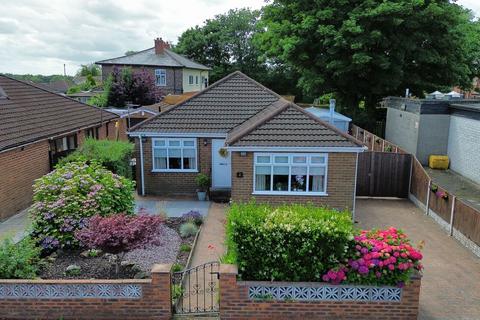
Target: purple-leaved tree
point(119, 233)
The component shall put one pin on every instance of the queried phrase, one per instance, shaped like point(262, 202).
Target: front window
point(92, 133)
point(190, 79)
point(290, 173)
point(174, 155)
point(160, 77)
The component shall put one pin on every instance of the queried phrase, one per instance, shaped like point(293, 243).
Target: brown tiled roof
point(217, 109)
point(30, 113)
point(287, 125)
point(250, 115)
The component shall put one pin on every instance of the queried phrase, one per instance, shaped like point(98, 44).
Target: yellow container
point(438, 162)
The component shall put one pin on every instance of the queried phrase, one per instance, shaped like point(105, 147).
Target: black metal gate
point(195, 290)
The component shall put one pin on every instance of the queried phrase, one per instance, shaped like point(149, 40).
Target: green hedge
point(113, 155)
point(286, 243)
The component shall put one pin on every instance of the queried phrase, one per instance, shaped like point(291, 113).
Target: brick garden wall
point(340, 182)
point(235, 303)
point(172, 183)
point(68, 299)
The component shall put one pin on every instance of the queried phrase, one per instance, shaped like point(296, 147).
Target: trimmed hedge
point(286, 243)
point(113, 155)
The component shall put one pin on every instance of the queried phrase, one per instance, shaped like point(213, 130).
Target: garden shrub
point(119, 233)
point(67, 196)
point(380, 257)
point(193, 216)
point(113, 155)
point(19, 260)
point(188, 229)
point(288, 243)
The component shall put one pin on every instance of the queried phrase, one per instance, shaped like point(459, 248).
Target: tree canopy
point(366, 50)
point(227, 43)
point(89, 70)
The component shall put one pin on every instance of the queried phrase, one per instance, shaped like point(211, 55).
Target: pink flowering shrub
point(66, 197)
point(380, 257)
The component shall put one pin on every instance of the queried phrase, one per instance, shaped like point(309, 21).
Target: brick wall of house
point(22, 165)
point(340, 182)
point(153, 302)
point(174, 77)
point(172, 183)
point(236, 304)
point(19, 168)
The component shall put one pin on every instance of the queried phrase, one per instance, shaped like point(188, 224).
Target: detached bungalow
point(37, 128)
point(252, 142)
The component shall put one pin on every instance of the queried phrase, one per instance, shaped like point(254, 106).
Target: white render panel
point(464, 147)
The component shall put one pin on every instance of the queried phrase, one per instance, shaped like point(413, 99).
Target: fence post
point(452, 213)
point(356, 132)
point(383, 145)
point(427, 206)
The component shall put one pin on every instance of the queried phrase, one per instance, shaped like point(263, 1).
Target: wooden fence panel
point(442, 207)
point(467, 221)
point(419, 182)
point(383, 174)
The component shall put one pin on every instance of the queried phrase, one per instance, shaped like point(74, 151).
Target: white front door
point(221, 166)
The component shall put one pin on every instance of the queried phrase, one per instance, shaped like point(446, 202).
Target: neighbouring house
point(58, 86)
point(252, 143)
point(130, 117)
point(173, 73)
point(84, 96)
point(37, 128)
point(427, 127)
point(330, 115)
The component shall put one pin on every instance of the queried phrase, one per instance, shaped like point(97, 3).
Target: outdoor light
point(243, 154)
point(205, 141)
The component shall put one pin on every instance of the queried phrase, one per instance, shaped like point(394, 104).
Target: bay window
point(290, 173)
point(174, 155)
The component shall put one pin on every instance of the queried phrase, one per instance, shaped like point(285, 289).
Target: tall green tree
point(227, 43)
point(365, 50)
point(89, 70)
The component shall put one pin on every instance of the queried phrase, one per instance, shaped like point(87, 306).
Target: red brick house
point(252, 143)
point(173, 73)
point(38, 127)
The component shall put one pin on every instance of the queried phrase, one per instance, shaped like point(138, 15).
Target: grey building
point(427, 127)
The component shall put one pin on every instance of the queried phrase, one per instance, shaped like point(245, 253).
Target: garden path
point(15, 226)
point(451, 280)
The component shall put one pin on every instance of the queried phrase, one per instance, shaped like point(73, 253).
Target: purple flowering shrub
point(65, 198)
point(119, 233)
point(193, 216)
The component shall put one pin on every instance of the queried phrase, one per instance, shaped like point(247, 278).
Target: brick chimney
point(160, 46)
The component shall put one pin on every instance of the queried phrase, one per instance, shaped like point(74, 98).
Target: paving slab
point(451, 281)
point(15, 226)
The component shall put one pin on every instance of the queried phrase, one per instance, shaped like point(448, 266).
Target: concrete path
point(460, 186)
point(451, 281)
point(172, 207)
point(15, 226)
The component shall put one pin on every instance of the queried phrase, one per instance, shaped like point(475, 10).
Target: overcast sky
point(38, 36)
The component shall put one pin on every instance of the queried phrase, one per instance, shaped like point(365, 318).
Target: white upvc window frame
point(167, 147)
point(290, 164)
point(190, 80)
point(158, 75)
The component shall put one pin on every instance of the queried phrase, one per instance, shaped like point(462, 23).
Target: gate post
point(452, 213)
point(427, 205)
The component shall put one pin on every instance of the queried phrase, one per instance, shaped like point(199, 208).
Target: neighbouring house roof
point(169, 101)
point(250, 115)
point(148, 58)
point(323, 113)
point(125, 112)
point(31, 113)
point(59, 86)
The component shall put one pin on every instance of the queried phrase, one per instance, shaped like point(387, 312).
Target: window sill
point(293, 193)
point(174, 171)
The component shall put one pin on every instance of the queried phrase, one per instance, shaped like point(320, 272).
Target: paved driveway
point(451, 281)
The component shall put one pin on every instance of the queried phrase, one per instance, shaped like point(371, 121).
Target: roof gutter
point(177, 134)
point(299, 149)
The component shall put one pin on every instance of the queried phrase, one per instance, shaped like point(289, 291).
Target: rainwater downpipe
point(141, 165)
